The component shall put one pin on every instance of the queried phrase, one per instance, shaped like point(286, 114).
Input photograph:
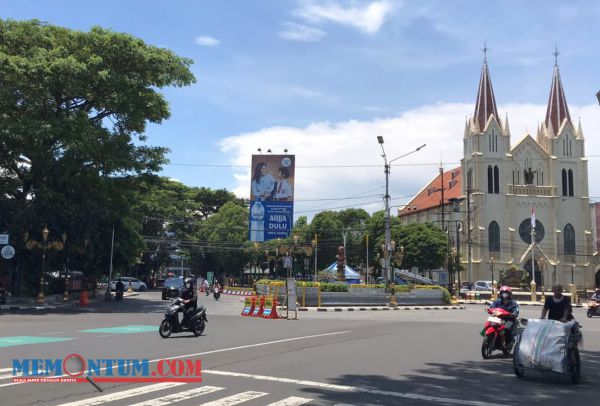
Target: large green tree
point(74, 107)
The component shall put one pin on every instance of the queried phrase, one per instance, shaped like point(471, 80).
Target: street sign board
point(7, 252)
point(210, 276)
point(3, 239)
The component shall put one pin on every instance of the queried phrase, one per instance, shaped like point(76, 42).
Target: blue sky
point(294, 73)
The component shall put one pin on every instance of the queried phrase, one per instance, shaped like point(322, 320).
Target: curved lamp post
point(44, 246)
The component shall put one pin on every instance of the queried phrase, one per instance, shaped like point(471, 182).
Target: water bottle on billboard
point(257, 222)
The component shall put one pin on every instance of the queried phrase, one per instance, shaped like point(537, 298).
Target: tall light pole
point(388, 247)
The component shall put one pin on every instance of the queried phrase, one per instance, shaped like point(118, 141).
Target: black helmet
point(189, 283)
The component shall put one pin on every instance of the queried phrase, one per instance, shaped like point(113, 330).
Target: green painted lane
point(122, 329)
point(25, 340)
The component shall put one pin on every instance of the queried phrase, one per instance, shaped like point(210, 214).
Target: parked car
point(171, 287)
point(483, 285)
point(135, 284)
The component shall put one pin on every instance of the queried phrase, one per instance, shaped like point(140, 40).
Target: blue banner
point(270, 220)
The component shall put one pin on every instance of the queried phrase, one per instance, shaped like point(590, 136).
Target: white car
point(483, 285)
point(135, 284)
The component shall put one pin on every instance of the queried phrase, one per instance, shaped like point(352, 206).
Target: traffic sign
point(3, 239)
point(7, 252)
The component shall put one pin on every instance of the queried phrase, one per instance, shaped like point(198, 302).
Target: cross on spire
point(556, 53)
point(485, 50)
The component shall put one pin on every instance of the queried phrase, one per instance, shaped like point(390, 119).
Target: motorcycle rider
point(189, 301)
point(206, 286)
point(506, 302)
point(596, 295)
point(558, 307)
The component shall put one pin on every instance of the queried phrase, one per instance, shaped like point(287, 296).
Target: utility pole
point(469, 241)
point(386, 252)
point(367, 273)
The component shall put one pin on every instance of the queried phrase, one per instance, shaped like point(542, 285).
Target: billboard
point(271, 197)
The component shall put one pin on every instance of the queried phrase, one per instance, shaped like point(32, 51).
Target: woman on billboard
point(283, 190)
point(263, 183)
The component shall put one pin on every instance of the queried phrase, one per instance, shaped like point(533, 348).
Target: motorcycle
point(593, 309)
point(494, 327)
point(217, 293)
point(119, 295)
point(170, 324)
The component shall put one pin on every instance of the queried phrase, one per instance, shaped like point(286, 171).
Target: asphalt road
point(346, 358)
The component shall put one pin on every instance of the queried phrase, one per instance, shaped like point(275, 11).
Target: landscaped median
point(320, 294)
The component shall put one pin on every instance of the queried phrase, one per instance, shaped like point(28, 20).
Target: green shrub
point(334, 287)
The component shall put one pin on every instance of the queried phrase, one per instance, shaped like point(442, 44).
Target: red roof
point(485, 105)
point(557, 110)
point(431, 195)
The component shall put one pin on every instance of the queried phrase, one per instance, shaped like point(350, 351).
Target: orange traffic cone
point(84, 298)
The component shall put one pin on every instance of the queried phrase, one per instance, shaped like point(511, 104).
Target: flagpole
point(532, 244)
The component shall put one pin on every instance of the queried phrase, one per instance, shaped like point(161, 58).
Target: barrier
point(249, 305)
point(258, 311)
point(84, 298)
point(270, 308)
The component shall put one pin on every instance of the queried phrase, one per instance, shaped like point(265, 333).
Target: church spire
point(557, 110)
point(485, 105)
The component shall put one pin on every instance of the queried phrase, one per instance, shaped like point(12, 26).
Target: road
point(345, 358)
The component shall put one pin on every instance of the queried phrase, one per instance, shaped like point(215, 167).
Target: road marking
point(121, 329)
point(24, 340)
point(221, 350)
point(236, 399)
point(98, 400)
point(344, 388)
point(177, 397)
point(5, 369)
point(6, 376)
point(291, 401)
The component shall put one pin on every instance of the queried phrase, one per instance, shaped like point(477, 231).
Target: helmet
point(506, 289)
point(189, 283)
point(506, 292)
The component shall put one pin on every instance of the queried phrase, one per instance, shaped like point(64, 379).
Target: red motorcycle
point(494, 328)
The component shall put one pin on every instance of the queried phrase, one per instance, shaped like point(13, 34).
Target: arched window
point(569, 237)
point(564, 182)
point(490, 180)
point(496, 180)
point(570, 182)
point(494, 237)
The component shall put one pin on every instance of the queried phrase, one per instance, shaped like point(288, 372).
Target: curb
point(486, 302)
point(364, 309)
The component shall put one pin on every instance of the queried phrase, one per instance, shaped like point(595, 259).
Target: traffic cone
point(272, 314)
point(258, 311)
point(84, 298)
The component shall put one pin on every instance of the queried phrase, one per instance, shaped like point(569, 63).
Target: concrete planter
point(421, 297)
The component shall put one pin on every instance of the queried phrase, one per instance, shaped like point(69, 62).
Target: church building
point(545, 176)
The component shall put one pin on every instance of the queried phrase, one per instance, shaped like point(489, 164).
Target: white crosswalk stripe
point(177, 397)
point(291, 401)
point(236, 399)
point(142, 390)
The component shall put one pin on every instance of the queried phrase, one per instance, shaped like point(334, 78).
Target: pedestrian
point(206, 287)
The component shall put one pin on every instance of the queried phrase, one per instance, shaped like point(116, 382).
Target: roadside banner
point(271, 197)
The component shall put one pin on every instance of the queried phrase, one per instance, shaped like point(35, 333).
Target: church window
point(494, 237)
point(569, 237)
point(514, 177)
point(496, 180)
point(564, 182)
point(490, 179)
point(470, 178)
point(571, 182)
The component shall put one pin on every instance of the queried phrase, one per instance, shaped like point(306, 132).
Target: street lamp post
point(44, 246)
point(387, 165)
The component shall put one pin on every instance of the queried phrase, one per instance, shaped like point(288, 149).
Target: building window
point(496, 180)
point(564, 182)
point(569, 237)
point(494, 237)
point(490, 179)
point(571, 182)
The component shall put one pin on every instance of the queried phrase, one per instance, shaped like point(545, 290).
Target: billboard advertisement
point(271, 197)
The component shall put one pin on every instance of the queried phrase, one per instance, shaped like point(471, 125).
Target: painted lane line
point(218, 351)
point(344, 388)
point(5, 370)
point(178, 397)
point(98, 400)
point(236, 399)
point(291, 401)
point(2, 377)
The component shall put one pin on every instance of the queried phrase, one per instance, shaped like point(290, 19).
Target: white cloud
point(354, 143)
point(299, 32)
point(207, 41)
point(368, 19)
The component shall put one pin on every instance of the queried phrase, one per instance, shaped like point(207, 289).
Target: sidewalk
point(56, 304)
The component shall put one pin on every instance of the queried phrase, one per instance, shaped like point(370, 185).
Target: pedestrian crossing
point(181, 394)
